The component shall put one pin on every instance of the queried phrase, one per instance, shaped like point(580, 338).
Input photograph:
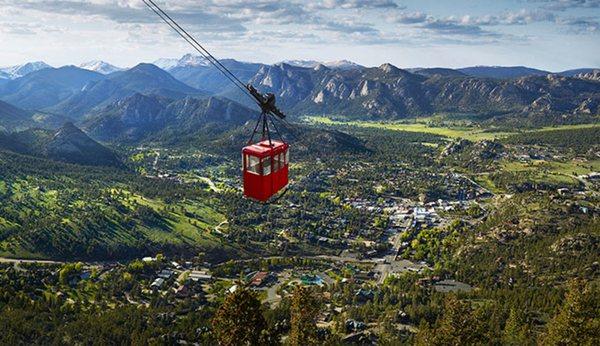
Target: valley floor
point(396, 233)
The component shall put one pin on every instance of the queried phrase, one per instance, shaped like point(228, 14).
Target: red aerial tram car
point(265, 169)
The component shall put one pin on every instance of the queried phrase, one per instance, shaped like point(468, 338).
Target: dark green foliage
point(239, 321)
point(68, 211)
point(304, 310)
point(460, 324)
point(577, 321)
point(580, 141)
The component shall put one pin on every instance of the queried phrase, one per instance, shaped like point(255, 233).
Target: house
point(182, 291)
point(594, 176)
point(402, 317)
point(232, 289)
point(157, 284)
point(259, 279)
point(200, 275)
point(354, 326)
point(364, 295)
point(166, 274)
point(371, 253)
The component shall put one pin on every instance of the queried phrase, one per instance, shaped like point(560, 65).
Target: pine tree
point(459, 325)
point(304, 310)
point(578, 321)
point(239, 320)
point(516, 330)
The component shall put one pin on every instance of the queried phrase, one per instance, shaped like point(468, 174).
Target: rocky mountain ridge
point(141, 116)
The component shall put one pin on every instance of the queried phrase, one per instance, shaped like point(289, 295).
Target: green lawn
point(554, 167)
point(182, 228)
point(553, 171)
point(470, 133)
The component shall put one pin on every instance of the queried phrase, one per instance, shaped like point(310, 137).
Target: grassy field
point(571, 168)
point(190, 221)
point(553, 171)
point(471, 133)
point(187, 222)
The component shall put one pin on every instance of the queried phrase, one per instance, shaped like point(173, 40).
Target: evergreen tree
point(578, 320)
point(516, 330)
point(239, 320)
point(304, 310)
point(459, 325)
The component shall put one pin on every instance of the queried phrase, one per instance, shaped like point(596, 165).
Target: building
point(166, 274)
point(200, 275)
point(157, 284)
point(364, 295)
point(182, 291)
point(260, 279)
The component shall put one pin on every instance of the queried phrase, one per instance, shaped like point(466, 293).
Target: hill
point(47, 87)
point(387, 92)
point(100, 67)
point(15, 119)
point(339, 64)
point(68, 144)
point(12, 118)
point(54, 210)
point(575, 72)
point(446, 72)
point(502, 72)
point(139, 116)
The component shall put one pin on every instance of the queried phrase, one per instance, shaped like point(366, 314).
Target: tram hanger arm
point(266, 102)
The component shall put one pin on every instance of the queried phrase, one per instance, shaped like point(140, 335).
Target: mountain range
point(143, 78)
point(506, 72)
point(339, 64)
point(189, 94)
point(144, 116)
point(387, 92)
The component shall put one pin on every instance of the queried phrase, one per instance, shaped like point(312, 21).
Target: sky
point(553, 35)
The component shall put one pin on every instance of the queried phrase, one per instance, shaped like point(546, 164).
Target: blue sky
point(548, 34)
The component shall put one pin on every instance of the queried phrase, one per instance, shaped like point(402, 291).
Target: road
point(155, 163)
point(474, 183)
point(218, 227)
point(18, 260)
point(210, 183)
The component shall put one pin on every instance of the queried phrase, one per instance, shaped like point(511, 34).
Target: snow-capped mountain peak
point(343, 65)
point(303, 63)
point(338, 65)
point(193, 60)
point(100, 67)
point(166, 63)
point(18, 71)
point(188, 60)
